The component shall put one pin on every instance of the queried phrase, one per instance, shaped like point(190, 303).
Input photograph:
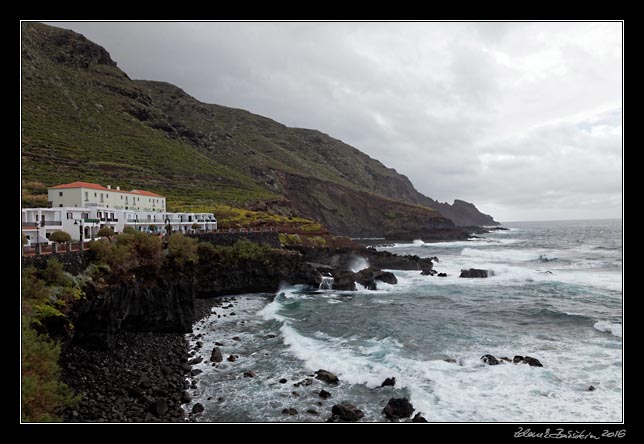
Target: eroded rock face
point(343, 281)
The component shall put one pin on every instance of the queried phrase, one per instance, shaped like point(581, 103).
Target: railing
point(33, 250)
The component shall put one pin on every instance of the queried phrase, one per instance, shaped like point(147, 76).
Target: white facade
point(85, 194)
point(84, 223)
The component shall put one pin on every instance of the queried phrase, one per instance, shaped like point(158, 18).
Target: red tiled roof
point(146, 193)
point(95, 186)
point(81, 185)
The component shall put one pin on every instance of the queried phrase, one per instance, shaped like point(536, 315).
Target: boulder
point(532, 362)
point(343, 280)
point(283, 381)
point(196, 360)
point(345, 412)
point(326, 376)
point(216, 355)
point(442, 275)
point(160, 407)
point(185, 397)
point(428, 272)
point(418, 418)
point(231, 358)
point(249, 374)
point(591, 388)
point(324, 394)
point(489, 360)
point(388, 382)
point(398, 408)
point(197, 408)
point(289, 411)
point(474, 273)
point(517, 359)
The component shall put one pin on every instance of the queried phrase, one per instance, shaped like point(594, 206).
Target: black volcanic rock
point(345, 412)
point(398, 408)
point(326, 376)
point(474, 273)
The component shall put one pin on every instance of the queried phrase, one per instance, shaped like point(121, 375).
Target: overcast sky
point(522, 119)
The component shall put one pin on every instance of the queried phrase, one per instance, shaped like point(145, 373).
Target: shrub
point(60, 236)
point(129, 230)
point(44, 397)
point(24, 239)
point(195, 226)
point(182, 250)
point(106, 232)
point(54, 274)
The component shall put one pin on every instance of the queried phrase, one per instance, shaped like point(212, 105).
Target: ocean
point(555, 294)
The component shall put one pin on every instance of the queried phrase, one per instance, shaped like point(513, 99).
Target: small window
point(70, 216)
point(60, 193)
point(36, 218)
point(94, 194)
point(86, 196)
point(60, 205)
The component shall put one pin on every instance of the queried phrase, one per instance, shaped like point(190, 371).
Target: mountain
point(84, 118)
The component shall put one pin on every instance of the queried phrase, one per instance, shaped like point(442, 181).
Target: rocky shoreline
point(145, 373)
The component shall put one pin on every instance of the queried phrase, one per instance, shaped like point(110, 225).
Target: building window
point(60, 193)
point(70, 216)
point(86, 196)
point(94, 194)
point(36, 218)
point(60, 205)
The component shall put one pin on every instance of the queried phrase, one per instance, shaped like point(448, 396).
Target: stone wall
point(270, 238)
point(73, 262)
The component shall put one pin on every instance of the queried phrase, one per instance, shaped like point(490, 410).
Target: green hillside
point(85, 119)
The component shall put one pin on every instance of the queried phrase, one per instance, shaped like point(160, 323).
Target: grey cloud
point(523, 119)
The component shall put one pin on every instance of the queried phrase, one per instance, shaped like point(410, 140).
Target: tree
point(106, 232)
point(60, 236)
point(24, 239)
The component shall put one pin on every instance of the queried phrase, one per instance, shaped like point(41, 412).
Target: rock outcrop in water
point(474, 273)
point(398, 408)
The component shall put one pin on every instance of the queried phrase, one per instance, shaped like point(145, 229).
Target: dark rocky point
point(388, 382)
point(283, 381)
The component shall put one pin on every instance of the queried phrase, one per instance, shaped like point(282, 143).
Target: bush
point(24, 239)
point(129, 230)
point(44, 396)
point(182, 250)
point(60, 236)
point(106, 232)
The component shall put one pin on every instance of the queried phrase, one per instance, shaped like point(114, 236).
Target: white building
point(83, 194)
point(82, 218)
